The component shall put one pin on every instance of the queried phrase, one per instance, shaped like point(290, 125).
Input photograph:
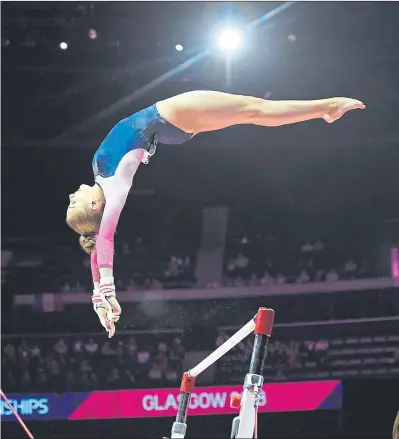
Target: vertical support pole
point(254, 379)
point(179, 427)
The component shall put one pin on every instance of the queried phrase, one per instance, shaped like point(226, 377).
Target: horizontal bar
point(320, 323)
point(223, 349)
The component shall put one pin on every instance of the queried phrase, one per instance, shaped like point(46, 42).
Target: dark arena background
point(303, 219)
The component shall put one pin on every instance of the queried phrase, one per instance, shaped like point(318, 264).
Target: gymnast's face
point(82, 197)
point(85, 209)
point(85, 198)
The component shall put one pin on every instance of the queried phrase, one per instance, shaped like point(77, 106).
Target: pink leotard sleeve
point(116, 192)
point(116, 189)
point(95, 272)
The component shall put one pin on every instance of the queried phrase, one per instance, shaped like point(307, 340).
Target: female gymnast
point(94, 211)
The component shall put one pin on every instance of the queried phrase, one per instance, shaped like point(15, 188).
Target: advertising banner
point(144, 403)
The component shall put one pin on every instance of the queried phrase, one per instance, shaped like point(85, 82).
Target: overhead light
point(229, 39)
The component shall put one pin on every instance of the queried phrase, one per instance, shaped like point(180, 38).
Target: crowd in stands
point(58, 364)
point(283, 359)
point(264, 260)
point(250, 262)
point(175, 272)
point(51, 364)
point(159, 251)
point(65, 270)
point(322, 358)
point(249, 267)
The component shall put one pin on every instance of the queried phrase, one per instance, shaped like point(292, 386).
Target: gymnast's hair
point(395, 431)
point(87, 224)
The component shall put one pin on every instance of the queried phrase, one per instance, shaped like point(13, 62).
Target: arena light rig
point(245, 425)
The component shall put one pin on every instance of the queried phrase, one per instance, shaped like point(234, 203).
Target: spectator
point(241, 263)
point(35, 351)
point(107, 350)
point(321, 349)
point(303, 278)
point(78, 346)
point(231, 266)
point(66, 288)
point(332, 276)
point(244, 240)
point(10, 353)
point(320, 275)
point(307, 248)
point(143, 357)
point(155, 284)
point(173, 267)
point(70, 382)
point(213, 285)
point(253, 280)
point(293, 360)
point(177, 350)
point(42, 380)
point(221, 338)
point(280, 279)
point(91, 346)
point(318, 246)
point(267, 279)
point(61, 347)
point(131, 345)
point(79, 288)
point(126, 249)
point(171, 375)
point(130, 379)
point(155, 372)
point(114, 380)
point(350, 269)
point(239, 282)
point(131, 286)
point(25, 381)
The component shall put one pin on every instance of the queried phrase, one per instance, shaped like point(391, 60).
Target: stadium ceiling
point(358, 38)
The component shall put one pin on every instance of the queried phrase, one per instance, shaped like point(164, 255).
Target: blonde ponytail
point(88, 243)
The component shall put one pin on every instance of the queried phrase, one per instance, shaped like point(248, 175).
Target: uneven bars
point(179, 427)
point(223, 349)
point(21, 422)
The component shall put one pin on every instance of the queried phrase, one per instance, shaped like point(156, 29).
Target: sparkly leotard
point(130, 142)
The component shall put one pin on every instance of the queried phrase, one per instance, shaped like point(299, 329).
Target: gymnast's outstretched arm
point(200, 111)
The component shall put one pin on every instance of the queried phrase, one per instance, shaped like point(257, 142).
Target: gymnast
point(94, 211)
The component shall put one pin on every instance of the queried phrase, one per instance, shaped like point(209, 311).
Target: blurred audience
point(322, 358)
point(252, 259)
point(265, 260)
point(48, 364)
point(40, 365)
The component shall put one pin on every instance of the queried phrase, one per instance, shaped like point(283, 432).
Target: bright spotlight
point(63, 45)
point(179, 47)
point(229, 39)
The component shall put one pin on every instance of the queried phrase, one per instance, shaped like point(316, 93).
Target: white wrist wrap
point(107, 281)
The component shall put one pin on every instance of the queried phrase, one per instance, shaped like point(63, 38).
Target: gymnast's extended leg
point(200, 111)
